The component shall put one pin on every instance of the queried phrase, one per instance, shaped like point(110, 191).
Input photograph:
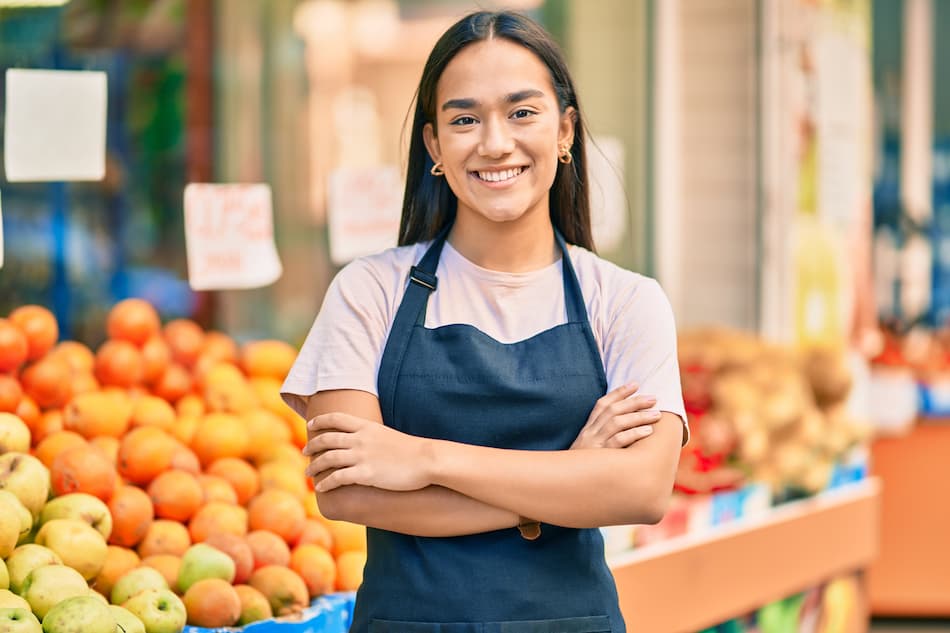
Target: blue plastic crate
point(327, 614)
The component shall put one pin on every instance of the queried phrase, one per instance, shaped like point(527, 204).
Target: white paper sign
point(364, 205)
point(608, 200)
point(229, 237)
point(55, 125)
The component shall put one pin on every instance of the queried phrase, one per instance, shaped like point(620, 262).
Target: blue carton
point(332, 613)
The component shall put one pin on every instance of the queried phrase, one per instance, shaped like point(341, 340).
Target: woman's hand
point(618, 420)
point(363, 452)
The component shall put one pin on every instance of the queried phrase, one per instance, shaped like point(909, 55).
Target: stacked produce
point(763, 412)
point(156, 481)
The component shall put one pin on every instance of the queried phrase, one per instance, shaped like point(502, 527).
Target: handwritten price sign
point(229, 237)
point(364, 205)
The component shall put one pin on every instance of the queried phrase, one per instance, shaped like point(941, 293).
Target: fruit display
point(156, 481)
point(764, 413)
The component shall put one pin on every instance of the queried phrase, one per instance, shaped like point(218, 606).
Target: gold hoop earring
point(565, 156)
point(437, 169)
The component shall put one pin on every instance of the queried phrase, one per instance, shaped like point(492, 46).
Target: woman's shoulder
point(601, 276)
point(388, 267)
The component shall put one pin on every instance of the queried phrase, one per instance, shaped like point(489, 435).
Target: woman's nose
point(496, 139)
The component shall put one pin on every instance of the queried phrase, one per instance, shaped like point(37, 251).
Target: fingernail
point(656, 415)
point(651, 399)
point(646, 430)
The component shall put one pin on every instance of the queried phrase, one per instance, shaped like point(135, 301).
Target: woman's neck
point(518, 246)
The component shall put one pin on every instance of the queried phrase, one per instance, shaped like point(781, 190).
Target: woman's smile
point(499, 178)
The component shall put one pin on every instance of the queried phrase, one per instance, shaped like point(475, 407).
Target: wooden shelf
point(911, 577)
point(695, 581)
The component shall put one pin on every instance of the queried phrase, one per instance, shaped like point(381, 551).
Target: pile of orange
point(182, 432)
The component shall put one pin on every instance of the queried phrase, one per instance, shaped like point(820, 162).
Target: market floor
point(903, 625)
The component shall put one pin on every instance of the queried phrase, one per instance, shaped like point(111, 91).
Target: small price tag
point(55, 125)
point(229, 237)
point(364, 205)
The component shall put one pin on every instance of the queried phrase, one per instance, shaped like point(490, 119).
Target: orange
point(119, 363)
point(10, 393)
point(47, 382)
point(83, 469)
point(219, 435)
point(268, 358)
point(267, 390)
point(278, 511)
point(109, 446)
point(186, 340)
point(168, 565)
point(157, 356)
point(132, 320)
point(349, 570)
point(237, 548)
point(268, 548)
point(183, 458)
point(218, 517)
point(79, 357)
point(49, 422)
point(264, 431)
point(97, 413)
point(153, 411)
point(190, 405)
point(55, 443)
point(284, 589)
point(285, 454)
point(144, 453)
point(317, 568)
point(132, 515)
point(220, 346)
point(119, 560)
point(347, 537)
point(217, 489)
point(14, 347)
point(29, 413)
point(312, 509)
point(176, 495)
point(241, 475)
point(184, 429)
point(173, 383)
point(315, 533)
point(164, 537)
point(84, 383)
point(212, 603)
point(225, 389)
point(285, 476)
point(39, 326)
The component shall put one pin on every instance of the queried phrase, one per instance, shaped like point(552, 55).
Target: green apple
point(4, 576)
point(25, 559)
point(160, 610)
point(9, 600)
point(18, 620)
point(9, 528)
point(202, 561)
point(82, 613)
point(14, 434)
point(135, 581)
point(27, 478)
point(254, 605)
point(77, 543)
point(126, 621)
point(82, 506)
point(26, 519)
point(51, 584)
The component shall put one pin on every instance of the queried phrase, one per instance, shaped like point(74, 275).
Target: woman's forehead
point(491, 71)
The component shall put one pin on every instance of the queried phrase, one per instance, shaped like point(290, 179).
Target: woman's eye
point(522, 114)
point(464, 120)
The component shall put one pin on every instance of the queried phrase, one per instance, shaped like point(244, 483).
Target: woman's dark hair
point(429, 204)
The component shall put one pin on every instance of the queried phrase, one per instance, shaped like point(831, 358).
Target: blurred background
point(782, 167)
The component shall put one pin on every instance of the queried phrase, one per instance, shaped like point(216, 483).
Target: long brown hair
point(429, 204)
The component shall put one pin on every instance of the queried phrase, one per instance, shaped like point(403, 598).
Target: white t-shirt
point(629, 314)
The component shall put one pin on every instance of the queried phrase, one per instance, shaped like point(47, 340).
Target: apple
point(14, 434)
point(77, 543)
point(202, 561)
point(136, 581)
point(160, 610)
point(126, 621)
point(27, 478)
point(4, 576)
point(82, 613)
point(9, 528)
point(18, 620)
point(82, 506)
point(25, 559)
point(9, 600)
point(26, 519)
point(51, 584)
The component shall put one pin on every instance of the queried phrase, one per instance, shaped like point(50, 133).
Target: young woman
point(456, 386)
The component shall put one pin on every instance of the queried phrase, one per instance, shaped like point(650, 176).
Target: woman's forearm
point(432, 511)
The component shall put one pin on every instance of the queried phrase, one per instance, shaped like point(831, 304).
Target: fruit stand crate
point(327, 614)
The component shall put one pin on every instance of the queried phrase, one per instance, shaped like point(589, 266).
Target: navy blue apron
point(457, 383)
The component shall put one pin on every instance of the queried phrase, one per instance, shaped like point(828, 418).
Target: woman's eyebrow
point(468, 103)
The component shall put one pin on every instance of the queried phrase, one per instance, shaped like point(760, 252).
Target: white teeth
point(499, 176)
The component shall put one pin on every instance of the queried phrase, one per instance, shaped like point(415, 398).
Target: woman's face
point(497, 132)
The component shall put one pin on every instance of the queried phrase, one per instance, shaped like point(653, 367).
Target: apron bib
point(457, 383)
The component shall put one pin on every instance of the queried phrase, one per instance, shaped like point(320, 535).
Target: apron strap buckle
point(423, 278)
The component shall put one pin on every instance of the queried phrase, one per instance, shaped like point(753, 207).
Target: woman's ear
point(565, 134)
point(432, 142)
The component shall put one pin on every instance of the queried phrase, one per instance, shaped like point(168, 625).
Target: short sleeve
point(640, 344)
point(345, 343)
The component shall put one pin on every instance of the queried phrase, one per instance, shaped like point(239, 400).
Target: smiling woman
point(490, 392)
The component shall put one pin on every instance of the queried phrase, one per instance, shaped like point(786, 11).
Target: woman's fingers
point(630, 436)
point(327, 441)
point(339, 478)
point(331, 460)
point(336, 421)
point(620, 393)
